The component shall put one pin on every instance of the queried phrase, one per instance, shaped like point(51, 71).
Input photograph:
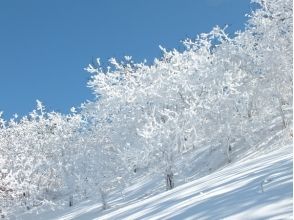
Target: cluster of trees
point(220, 91)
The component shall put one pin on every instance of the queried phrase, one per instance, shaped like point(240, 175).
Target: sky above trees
point(45, 45)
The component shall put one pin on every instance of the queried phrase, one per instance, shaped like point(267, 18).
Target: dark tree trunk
point(103, 199)
point(169, 181)
point(70, 201)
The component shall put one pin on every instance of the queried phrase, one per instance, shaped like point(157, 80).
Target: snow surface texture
point(256, 187)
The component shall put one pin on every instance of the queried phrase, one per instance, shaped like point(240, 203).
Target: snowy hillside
point(256, 187)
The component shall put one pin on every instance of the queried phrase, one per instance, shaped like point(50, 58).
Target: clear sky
point(44, 45)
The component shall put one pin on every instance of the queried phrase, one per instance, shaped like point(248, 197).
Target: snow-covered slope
point(256, 187)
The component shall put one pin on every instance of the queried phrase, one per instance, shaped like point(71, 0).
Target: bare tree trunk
point(103, 199)
point(70, 203)
point(169, 179)
point(229, 149)
point(282, 112)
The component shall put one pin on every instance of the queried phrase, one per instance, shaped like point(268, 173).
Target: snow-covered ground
point(259, 186)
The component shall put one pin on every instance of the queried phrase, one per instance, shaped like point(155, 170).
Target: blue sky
point(44, 45)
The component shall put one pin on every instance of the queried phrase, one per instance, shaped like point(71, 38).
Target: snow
point(256, 187)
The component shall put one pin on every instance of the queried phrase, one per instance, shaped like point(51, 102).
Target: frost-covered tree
point(33, 151)
point(220, 85)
